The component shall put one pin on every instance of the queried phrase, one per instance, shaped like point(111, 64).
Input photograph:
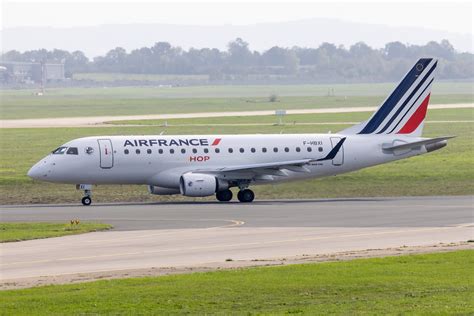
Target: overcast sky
point(453, 16)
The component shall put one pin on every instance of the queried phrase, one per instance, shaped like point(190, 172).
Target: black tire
point(246, 196)
point(86, 200)
point(224, 196)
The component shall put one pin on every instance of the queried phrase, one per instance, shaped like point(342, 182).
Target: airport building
point(24, 72)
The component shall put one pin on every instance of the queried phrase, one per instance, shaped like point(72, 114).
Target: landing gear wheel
point(86, 200)
point(224, 196)
point(246, 196)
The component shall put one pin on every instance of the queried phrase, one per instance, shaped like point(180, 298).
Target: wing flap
point(270, 165)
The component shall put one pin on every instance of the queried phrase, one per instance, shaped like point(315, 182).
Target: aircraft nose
point(34, 172)
point(38, 171)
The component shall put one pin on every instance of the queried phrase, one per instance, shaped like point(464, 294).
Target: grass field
point(16, 104)
point(445, 172)
point(110, 77)
point(433, 284)
point(466, 114)
point(25, 231)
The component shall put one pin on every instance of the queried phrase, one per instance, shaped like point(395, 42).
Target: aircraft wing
point(271, 168)
point(293, 165)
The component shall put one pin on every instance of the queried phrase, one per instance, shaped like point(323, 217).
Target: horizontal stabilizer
point(417, 144)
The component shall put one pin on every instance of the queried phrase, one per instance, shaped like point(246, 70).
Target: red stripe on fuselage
point(216, 142)
point(416, 119)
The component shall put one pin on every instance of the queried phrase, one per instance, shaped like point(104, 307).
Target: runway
point(196, 234)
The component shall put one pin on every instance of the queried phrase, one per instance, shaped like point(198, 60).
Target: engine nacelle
point(200, 184)
point(153, 189)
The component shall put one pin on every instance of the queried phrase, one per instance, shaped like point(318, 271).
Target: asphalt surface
point(177, 235)
point(370, 212)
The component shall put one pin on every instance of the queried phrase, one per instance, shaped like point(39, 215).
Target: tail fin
point(404, 111)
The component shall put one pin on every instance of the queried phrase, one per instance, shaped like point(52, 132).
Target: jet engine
point(153, 189)
point(200, 184)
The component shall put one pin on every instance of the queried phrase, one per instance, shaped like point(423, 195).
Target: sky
point(453, 16)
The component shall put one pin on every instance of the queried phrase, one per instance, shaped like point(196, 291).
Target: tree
point(327, 63)
point(395, 50)
point(239, 52)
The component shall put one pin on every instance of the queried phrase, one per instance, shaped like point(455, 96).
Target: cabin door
point(339, 158)
point(106, 153)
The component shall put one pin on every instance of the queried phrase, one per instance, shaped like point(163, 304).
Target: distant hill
point(97, 40)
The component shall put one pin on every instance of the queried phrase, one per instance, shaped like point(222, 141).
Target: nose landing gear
point(87, 199)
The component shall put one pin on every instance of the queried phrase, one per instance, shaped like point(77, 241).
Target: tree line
point(326, 63)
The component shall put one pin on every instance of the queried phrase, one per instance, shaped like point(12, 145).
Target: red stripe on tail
point(416, 119)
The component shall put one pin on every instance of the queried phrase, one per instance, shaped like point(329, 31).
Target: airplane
point(206, 165)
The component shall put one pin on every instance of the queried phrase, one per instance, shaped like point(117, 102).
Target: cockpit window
point(72, 151)
point(59, 151)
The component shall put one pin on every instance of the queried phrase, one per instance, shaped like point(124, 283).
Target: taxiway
point(195, 234)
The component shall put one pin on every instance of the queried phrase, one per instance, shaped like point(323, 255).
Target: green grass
point(67, 102)
point(209, 91)
point(110, 77)
point(448, 171)
point(466, 114)
point(26, 231)
point(432, 284)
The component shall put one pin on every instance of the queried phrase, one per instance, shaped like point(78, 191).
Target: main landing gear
point(87, 188)
point(244, 195)
point(224, 196)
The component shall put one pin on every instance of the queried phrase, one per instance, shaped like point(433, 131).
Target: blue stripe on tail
point(395, 97)
point(407, 100)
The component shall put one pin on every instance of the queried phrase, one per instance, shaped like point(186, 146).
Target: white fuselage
point(161, 160)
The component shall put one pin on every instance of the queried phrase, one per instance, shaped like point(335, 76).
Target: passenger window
point(241, 150)
point(320, 149)
point(195, 150)
point(160, 151)
point(231, 150)
point(171, 151)
point(252, 150)
point(298, 149)
point(287, 149)
point(126, 151)
point(72, 151)
point(137, 151)
point(217, 150)
point(206, 150)
point(183, 151)
point(59, 151)
point(310, 149)
point(148, 151)
point(275, 149)
point(264, 150)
